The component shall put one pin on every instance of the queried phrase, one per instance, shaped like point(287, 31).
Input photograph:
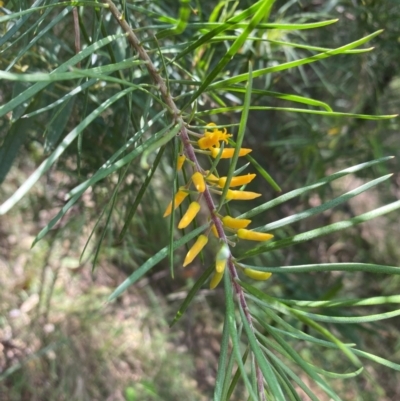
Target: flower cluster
point(204, 180)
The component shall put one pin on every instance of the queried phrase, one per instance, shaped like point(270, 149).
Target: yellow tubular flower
point(179, 198)
point(237, 181)
point(181, 160)
point(190, 214)
point(257, 275)
point(253, 235)
point(241, 195)
point(198, 181)
point(228, 153)
point(231, 222)
point(216, 280)
point(195, 249)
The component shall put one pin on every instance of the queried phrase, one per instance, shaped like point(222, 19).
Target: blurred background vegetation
point(58, 339)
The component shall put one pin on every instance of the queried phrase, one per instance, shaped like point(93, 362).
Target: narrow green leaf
point(11, 145)
point(78, 89)
point(328, 267)
point(240, 136)
point(39, 35)
point(192, 293)
point(301, 45)
point(46, 164)
point(264, 173)
point(298, 192)
point(291, 374)
point(139, 196)
point(261, 12)
point(57, 124)
point(100, 174)
point(184, 14)
point(287, 386)
point(31, 91)
point(74, 74)
point(269, 25)
point(390, 299)
point(291, 64)
point(377, 359)
point(172, 219)
point(321, 208)
point(291, 354)
point(273, 303)
point(110, 206)
point(228, 391)
point(150, 263)
point(32, 10)
point(157, 144)
point(349, 319)
point(17, 25)
point(318, 232)
point(232, 109)
point(222, 372)
point(304, 366)
point(108, 167)
point(283, 96)
point(296, 333)
point(230, 315)
point(262, 362)
point(229, 24)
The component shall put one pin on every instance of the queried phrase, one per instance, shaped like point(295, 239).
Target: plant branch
point(189, 150)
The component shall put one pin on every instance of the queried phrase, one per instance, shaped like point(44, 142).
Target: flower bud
point(195, 249)
point(231, 222)
point(257, 275)
point(216, 280)
point(190, 214)
point(198, 181)
point(237, 181)
point(181, 160)
point(228, 153)
point(179, 198)
point(241, 195)
point(253, 235)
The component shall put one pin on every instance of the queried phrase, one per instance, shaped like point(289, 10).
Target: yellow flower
point(198, 181)
point(228, 153)
point(257, 275)
point(231, 222)
point(181, 160)
point(221, 258)
point(195, 249)
point(253, 235)
point(241, 195)
point(237, 181)
point(179, 198)
point(212, 139)
point(209, 140)
point(190, 214)
point(216, 279)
